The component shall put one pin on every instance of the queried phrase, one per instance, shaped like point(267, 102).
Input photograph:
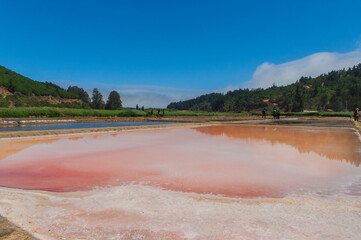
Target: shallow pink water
point(241, 161)
point(312, 175)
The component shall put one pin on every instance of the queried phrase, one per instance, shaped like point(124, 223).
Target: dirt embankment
point(66, 132)
point(9, 231)
point(4, 92)
point(180, 119)
point(54, 100)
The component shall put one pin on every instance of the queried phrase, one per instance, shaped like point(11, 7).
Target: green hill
point(17, 90)
point(334, 91)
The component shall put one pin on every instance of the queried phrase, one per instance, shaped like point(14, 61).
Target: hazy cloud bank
point(152, 95)
point(148, 99)
point(143, 95)
point(313, 65)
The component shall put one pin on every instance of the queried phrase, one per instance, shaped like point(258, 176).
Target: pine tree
point(299, 102)
point(97, 100)
point(114, 101)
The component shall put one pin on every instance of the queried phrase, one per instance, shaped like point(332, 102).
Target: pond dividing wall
point(63, 126)
point(215, 182)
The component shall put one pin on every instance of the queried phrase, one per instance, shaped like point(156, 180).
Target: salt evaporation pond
point(213, 182)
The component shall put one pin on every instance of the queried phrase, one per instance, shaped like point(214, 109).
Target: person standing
point(356, 114)
point(264, 113)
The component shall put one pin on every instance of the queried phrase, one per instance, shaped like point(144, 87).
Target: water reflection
point(240, 161)
point(10, 147)
point(333, 143)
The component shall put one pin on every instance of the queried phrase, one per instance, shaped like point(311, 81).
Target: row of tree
point(96, 101)
point(113, 101)
point(336, 90)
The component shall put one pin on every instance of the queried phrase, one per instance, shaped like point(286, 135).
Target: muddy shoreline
point(10, 231)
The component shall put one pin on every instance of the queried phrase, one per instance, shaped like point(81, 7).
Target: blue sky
point(154, 52)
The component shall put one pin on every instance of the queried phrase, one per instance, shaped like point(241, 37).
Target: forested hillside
point(17, 90)
point(336, 90)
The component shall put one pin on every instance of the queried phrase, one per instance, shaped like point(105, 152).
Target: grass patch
point(201, 113)
point(310, 114)
point(319, 114)
point(291, 114)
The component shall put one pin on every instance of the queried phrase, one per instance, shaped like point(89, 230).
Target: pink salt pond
point(228, 160)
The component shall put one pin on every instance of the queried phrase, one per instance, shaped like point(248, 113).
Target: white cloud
point(313, 65)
